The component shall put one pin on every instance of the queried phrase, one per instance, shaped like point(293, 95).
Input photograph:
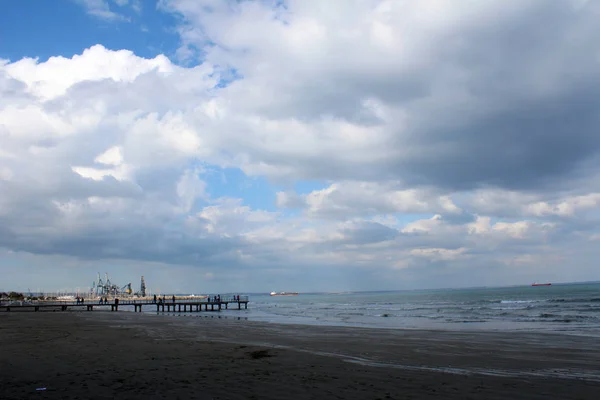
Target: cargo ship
point(541, 284)
point(284, 294)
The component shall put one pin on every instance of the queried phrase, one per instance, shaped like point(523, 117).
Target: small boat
point(541, 284)
point(284, 294)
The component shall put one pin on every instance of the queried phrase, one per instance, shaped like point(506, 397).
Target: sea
point(565, 308)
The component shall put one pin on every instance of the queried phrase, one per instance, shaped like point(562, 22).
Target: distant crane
point(104, 287)
point(127, 289)
point(143, 287)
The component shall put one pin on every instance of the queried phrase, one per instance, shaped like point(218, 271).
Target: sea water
point(566, 308)
point(560, 308)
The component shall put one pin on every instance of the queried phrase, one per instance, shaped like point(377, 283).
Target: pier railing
point(129, 301)
point(194, 300)
point(168, 305)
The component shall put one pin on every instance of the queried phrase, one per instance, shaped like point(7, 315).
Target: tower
point(143, 287)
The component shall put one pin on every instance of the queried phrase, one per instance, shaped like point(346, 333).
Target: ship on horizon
point(541, 284)
point(284, 293)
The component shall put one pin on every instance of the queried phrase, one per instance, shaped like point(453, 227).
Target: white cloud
point(439, 254)
point(524, 229)
point(516, 230)
point(112, 156)
point(99, 174)
point(6, 174)
point(54, 77)
point(191, 188)
point(480, 226)
point(33, 122)
point(567, 206)
point(431, 225)
point(351, 198)
point(517, 204)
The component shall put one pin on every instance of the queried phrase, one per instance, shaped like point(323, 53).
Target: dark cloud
point(124, 239)
point(537, 145)
point(459, 218)
point(511, 104)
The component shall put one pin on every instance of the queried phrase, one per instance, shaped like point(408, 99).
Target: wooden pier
point(167, 305)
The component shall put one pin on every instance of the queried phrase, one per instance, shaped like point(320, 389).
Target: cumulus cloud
point(441, 137)
point(505, 203)
point(422, 92)
point(51, 79)
point(350, 199)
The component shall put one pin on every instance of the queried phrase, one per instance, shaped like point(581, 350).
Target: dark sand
point(79, 355)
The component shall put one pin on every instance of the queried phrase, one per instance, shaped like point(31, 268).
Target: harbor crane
point(104, 287)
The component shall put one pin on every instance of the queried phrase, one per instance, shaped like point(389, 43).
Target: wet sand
point(79, 355)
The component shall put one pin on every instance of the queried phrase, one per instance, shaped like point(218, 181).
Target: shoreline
point(482, 327)
point(192, 356)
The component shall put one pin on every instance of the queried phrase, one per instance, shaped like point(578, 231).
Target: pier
point(168, 305)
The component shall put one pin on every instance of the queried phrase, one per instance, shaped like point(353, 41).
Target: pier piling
point(184, 305)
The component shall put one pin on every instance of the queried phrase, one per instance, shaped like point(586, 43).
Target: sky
point(298, 145)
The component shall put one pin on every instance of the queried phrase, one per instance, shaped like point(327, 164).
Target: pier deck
point(161, 306)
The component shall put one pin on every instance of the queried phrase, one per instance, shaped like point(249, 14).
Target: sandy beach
point(103, 355)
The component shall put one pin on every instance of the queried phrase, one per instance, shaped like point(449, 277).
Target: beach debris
point(258, 354)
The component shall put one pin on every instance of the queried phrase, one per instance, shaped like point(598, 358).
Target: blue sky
point(318, 146)
point(43, 29)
